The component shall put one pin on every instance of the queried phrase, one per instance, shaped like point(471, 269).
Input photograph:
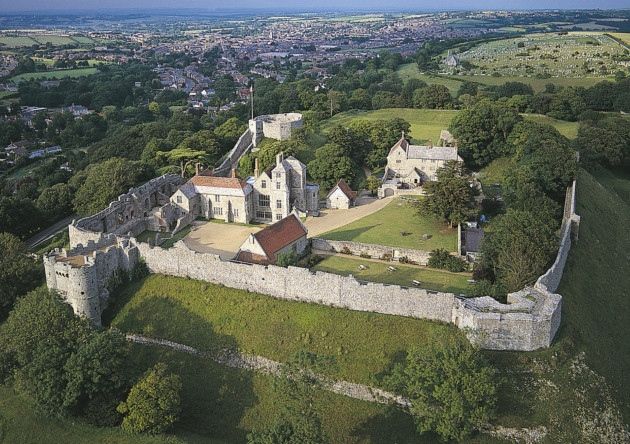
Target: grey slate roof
point(436, 152)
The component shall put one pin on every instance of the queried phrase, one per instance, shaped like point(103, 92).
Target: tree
point(206, 141)
point(229, 132)
point(154, 402)
point(372, 183)
point(432, 96)
point(469, 88)
point(600, 145)
point(55, 202)
point(482, 131)
point(19, 273)
point(451, 387)
point(106, 181)
point(566, 104)
point(519, 248)
point(185, 157)
point(331, 163)
point(451, 196)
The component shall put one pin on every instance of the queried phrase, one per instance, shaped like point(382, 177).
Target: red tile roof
point(217, 182)
point(251, 258)
point(279, 235)
point(345, 189)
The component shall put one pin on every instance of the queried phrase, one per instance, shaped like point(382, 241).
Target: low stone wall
point(374, 251)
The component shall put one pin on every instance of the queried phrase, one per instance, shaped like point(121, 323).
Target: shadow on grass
point(348, 235)
point(214, 398)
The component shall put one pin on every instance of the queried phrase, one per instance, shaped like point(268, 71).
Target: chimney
point(197, 168)
point(430, 143)
point(279, 158)
point(256, 167)
point(233, 173)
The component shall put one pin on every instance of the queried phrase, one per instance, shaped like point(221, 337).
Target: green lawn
point(567, 129)
point(58, 74)
point(212, 317)
point(495, 172)
point(149, 236)
point(411, 71)
point(430, 279)
point(386, 227)
point(426, 124)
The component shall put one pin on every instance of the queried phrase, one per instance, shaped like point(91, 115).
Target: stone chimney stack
point(256, 167)
point(233, 173)
point(279, 158)
point(197, 168)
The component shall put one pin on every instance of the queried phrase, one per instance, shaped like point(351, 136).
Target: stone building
point(409, 166)
point(274, 126)
point(341, 196)
point(266, 197)
point(285, 236)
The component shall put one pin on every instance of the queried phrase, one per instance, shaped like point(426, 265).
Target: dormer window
point(263, 184)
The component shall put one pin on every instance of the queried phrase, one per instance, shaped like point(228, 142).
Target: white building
point(341, 196)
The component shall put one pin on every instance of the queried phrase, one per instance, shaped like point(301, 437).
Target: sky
point(303, 5)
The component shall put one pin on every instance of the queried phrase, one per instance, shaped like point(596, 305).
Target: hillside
point(596, 284)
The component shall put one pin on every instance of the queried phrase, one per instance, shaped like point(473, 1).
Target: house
point(17, 149)
point(341, 197)
point(77, 110)
point(285, 236)
point(451, 60)
point(265, 197)
point(43, 152)
point(409, 166)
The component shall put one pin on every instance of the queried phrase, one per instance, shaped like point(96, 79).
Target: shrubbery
point(444, 260)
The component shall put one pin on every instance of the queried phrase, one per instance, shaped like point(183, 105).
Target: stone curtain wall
point(374, 251)
point(232, 158)
point(299, 284)
point(570, 226)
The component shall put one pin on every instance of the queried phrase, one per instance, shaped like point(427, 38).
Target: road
point(49, 232)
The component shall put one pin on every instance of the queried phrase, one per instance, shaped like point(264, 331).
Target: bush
point(365, 255)
point(345, 250)
point(443, 260)
point(154, 402)
point(287, 259)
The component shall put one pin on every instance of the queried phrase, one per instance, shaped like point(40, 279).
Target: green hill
point(596, 283)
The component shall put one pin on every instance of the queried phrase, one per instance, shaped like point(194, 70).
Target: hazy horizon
point(31, 6)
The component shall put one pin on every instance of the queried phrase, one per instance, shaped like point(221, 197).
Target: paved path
point(49, 232)
point(234, 359)
point(331, 219)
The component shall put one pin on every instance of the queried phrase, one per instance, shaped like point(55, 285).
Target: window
point(278, 216)
point(217, 198)
point(218, 211)
point(263, 200)
point(278, 175)
point(278, 204)
point(263, 214)
point(277, 185)
point(263, 184)
point(236, 213)
point(397, 160)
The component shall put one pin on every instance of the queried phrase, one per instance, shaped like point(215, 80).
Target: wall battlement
point(528, 321)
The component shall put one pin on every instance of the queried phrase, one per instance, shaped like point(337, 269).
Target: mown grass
point(495, 172)
point(214, 317)
point(59, 74)
point(429, 279)
point(398, 225)
point(426, 124)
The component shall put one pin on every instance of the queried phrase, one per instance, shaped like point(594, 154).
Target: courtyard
point(220, 238)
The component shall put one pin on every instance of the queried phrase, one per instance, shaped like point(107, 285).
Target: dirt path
point(234, 359)
point(331, 219)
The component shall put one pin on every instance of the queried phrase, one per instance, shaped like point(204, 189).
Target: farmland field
point(577, 54)
point(16, 42)
point(59, 74)
point(43, 39)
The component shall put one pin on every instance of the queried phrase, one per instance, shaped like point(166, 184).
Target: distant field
point(453, 82)
point(398, 225)
point(426, 124)
point(43, 39)
point(577, 54)
point(623, 36)
point(50, 62)
point(59, 74)
point(436, 280)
